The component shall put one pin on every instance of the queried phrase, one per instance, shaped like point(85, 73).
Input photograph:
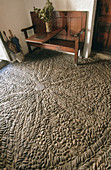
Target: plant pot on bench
point(48, 25)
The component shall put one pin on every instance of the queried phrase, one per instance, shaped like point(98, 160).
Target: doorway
point(102, 29)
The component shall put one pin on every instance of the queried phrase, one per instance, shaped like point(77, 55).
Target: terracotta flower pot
point(48, 26)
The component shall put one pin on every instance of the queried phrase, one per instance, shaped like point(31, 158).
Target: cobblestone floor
point(54, 115)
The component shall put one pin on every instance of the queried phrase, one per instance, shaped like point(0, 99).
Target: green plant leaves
point(46, 12)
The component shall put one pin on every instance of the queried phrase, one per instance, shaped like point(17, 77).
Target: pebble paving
point(54, 115)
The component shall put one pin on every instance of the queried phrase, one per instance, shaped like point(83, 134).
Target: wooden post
point(76, 50)
point(26, 36)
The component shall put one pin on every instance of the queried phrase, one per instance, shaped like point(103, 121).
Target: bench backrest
point(73, 21)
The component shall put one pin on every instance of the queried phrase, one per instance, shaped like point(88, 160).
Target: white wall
point(13, 16)
point(73, 5)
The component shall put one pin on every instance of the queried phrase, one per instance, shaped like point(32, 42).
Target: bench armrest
point(28, 28)
point(25, 30)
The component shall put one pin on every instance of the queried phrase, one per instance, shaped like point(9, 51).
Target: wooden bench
point(68, 33)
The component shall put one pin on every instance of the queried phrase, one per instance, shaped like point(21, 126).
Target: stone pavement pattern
point(54, 115)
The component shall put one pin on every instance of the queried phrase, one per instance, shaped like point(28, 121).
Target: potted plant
point(46, 14)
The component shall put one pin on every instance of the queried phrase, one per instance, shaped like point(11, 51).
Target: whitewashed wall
point(73, 5)
point(13, 16)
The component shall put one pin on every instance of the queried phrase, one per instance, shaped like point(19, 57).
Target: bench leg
point(76, 58)
point(29, 48)
point(76, 51)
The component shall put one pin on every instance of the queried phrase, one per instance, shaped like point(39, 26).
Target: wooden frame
point(68, 33)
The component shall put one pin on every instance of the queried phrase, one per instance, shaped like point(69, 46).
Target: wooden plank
point(43, 37)
point(74, 21)
point(50, 46)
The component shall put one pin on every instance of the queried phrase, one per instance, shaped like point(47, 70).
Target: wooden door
point(102, 31)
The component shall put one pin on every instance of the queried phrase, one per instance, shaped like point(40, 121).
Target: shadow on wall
point(60, 5)
point(69, 6)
